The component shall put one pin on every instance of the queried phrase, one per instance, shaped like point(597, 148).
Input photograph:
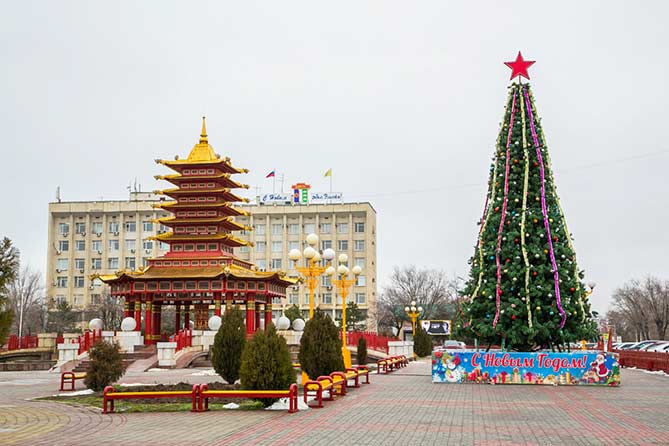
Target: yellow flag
point(328, 173)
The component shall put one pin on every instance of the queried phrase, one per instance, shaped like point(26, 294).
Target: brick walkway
point(402, 408)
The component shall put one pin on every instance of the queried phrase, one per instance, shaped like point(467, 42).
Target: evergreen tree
point(226, 353)
point(362, 351)
point(266, 363)
point(422, 342)
point(355, 317)
point(9, 266)
point(525, 290)
point(320, 347)
point(293, 312)
point(105, 367)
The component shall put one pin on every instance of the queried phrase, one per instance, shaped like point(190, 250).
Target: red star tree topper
point(519, 66)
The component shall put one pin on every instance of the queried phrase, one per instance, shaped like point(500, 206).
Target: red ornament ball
point(513, 317)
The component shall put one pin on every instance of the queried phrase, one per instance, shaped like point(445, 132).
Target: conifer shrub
point(362, 351)
point(226, 352)
point(422, 342)
point(266, 363)
point(105, 366)
point(320, 347)
point(293, 312)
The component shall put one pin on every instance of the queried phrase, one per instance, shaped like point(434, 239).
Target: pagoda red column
point(217, 303)
point(148, 319)
point(229, 298)
point(126, 308)
point(157, 313)
point(250, 313)
point(268, 311)
point(186, 316)
point(258, 313)
point(138, 314)
point(177, 317)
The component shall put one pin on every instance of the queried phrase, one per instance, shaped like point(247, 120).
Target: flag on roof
point(271, 174)
point(328, 173)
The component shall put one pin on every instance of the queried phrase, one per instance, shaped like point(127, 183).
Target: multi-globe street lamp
point(313, 268)
point(413, 312)
point(343, 281)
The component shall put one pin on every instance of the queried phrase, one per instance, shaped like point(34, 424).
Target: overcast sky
point(402, 99)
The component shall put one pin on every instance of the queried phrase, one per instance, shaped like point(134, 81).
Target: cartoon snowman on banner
point(453, 369)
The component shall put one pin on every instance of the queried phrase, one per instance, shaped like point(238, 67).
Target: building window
point(276, 263)
point(147, 244)
point(326, 244)
point(96, 227)
point(202, 247)
point(130, 226)
point(359, 226)
point(96, 282)
point(326, 228)
point(359, 261)
point(130, 263)
point(80, 264)
point(80, 228)
point(342, 228)
point(342, 245)
point(78, 281)
point(243, 249)
point(212, 247)
point(309, 228)
point(80, 245)
point(164, 246)
point(62, 264)
point(260, 229)
point(293, 228)
point(326, 298)
point(306, 299)
point(96, 245)
point(96, 263)
point(61, 282)
point(147, 226)
point(261, 264)
point(145, 261)
point(293, 245)
point(260, 247)
point(63, 245)
point(277, 229)
point(130, 243)
point(112, 263)
point(63, 228)
point(113, 227)
point(113, 245)
point(358, 245)
point(293, 299)
point(95, 299)
point(277, 246)
point(360, 298)
point(326, 281)
point(360, 281)
point(78, 300)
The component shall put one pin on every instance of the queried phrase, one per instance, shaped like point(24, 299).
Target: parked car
point(624, 345)
point(658, 347)
point(641, 345)
point(450, 345)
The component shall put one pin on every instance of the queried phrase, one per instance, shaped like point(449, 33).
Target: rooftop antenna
point(58, 194)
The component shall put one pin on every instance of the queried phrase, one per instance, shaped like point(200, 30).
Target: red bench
point(205, 394)
point(392, 363)
point(355, 373)
point(317, 386)
point(109, 396)
point(70, 378)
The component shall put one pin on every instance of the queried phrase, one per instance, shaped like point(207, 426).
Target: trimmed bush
point(362, 351)
point(422, 342)
point(226, 352)
point(320, 347)
point(105, 366)
point(293, 313)
point(266, 364)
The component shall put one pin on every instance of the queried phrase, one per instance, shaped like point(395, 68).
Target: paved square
point(402, 408)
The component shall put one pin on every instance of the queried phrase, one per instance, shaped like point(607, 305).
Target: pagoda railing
point(374, 340)
point(17, 343)
point(87, 340)
point(653, 361)
point(183, 339)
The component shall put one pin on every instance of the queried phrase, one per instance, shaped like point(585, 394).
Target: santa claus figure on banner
point(599, 367)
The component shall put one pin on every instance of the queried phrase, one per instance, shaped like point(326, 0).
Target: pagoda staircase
point(141, 353)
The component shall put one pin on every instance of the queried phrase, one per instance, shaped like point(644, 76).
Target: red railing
point(652, 361)
point(183, 339)
point(87, 340)
point(17, 343)
point(374, 340)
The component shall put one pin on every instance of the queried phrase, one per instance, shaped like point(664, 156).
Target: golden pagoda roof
point(202, 153)
point(229, 222)
point(221, 190)
point(174, 205)
point(171, 237)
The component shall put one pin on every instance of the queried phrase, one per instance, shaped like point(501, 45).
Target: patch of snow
point(76, 393)
point(132, 384)
point(282, 404)
point(207, 372)
point(657, 372)
point(231, 406)
point(158, 370)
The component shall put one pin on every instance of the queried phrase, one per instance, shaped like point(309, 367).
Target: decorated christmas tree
point(525, 290)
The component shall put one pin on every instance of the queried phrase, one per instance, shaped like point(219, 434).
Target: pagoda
point(200, 270)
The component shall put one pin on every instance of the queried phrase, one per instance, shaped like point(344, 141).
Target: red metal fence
point(17, 343)
point(374, 340)
point(652, 361)
point(183, 339)
point(87, 340)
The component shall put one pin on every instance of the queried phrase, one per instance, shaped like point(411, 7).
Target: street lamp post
point(313, 269)
point(413, 312)
point(343, 283)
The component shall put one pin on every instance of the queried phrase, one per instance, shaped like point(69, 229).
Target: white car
point(658, 347)
point(450, 345)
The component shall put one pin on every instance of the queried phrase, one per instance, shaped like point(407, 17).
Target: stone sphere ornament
point(298, 324)
point(128, 324)
point(214, 323)
point(95, 324)
point(283, 323)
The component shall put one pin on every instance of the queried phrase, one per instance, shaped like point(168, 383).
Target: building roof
point(174, 205)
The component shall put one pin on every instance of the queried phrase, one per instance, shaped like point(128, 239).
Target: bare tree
point(26, 295)
point(428, 287)
point(109, 308)
point(642, 307)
